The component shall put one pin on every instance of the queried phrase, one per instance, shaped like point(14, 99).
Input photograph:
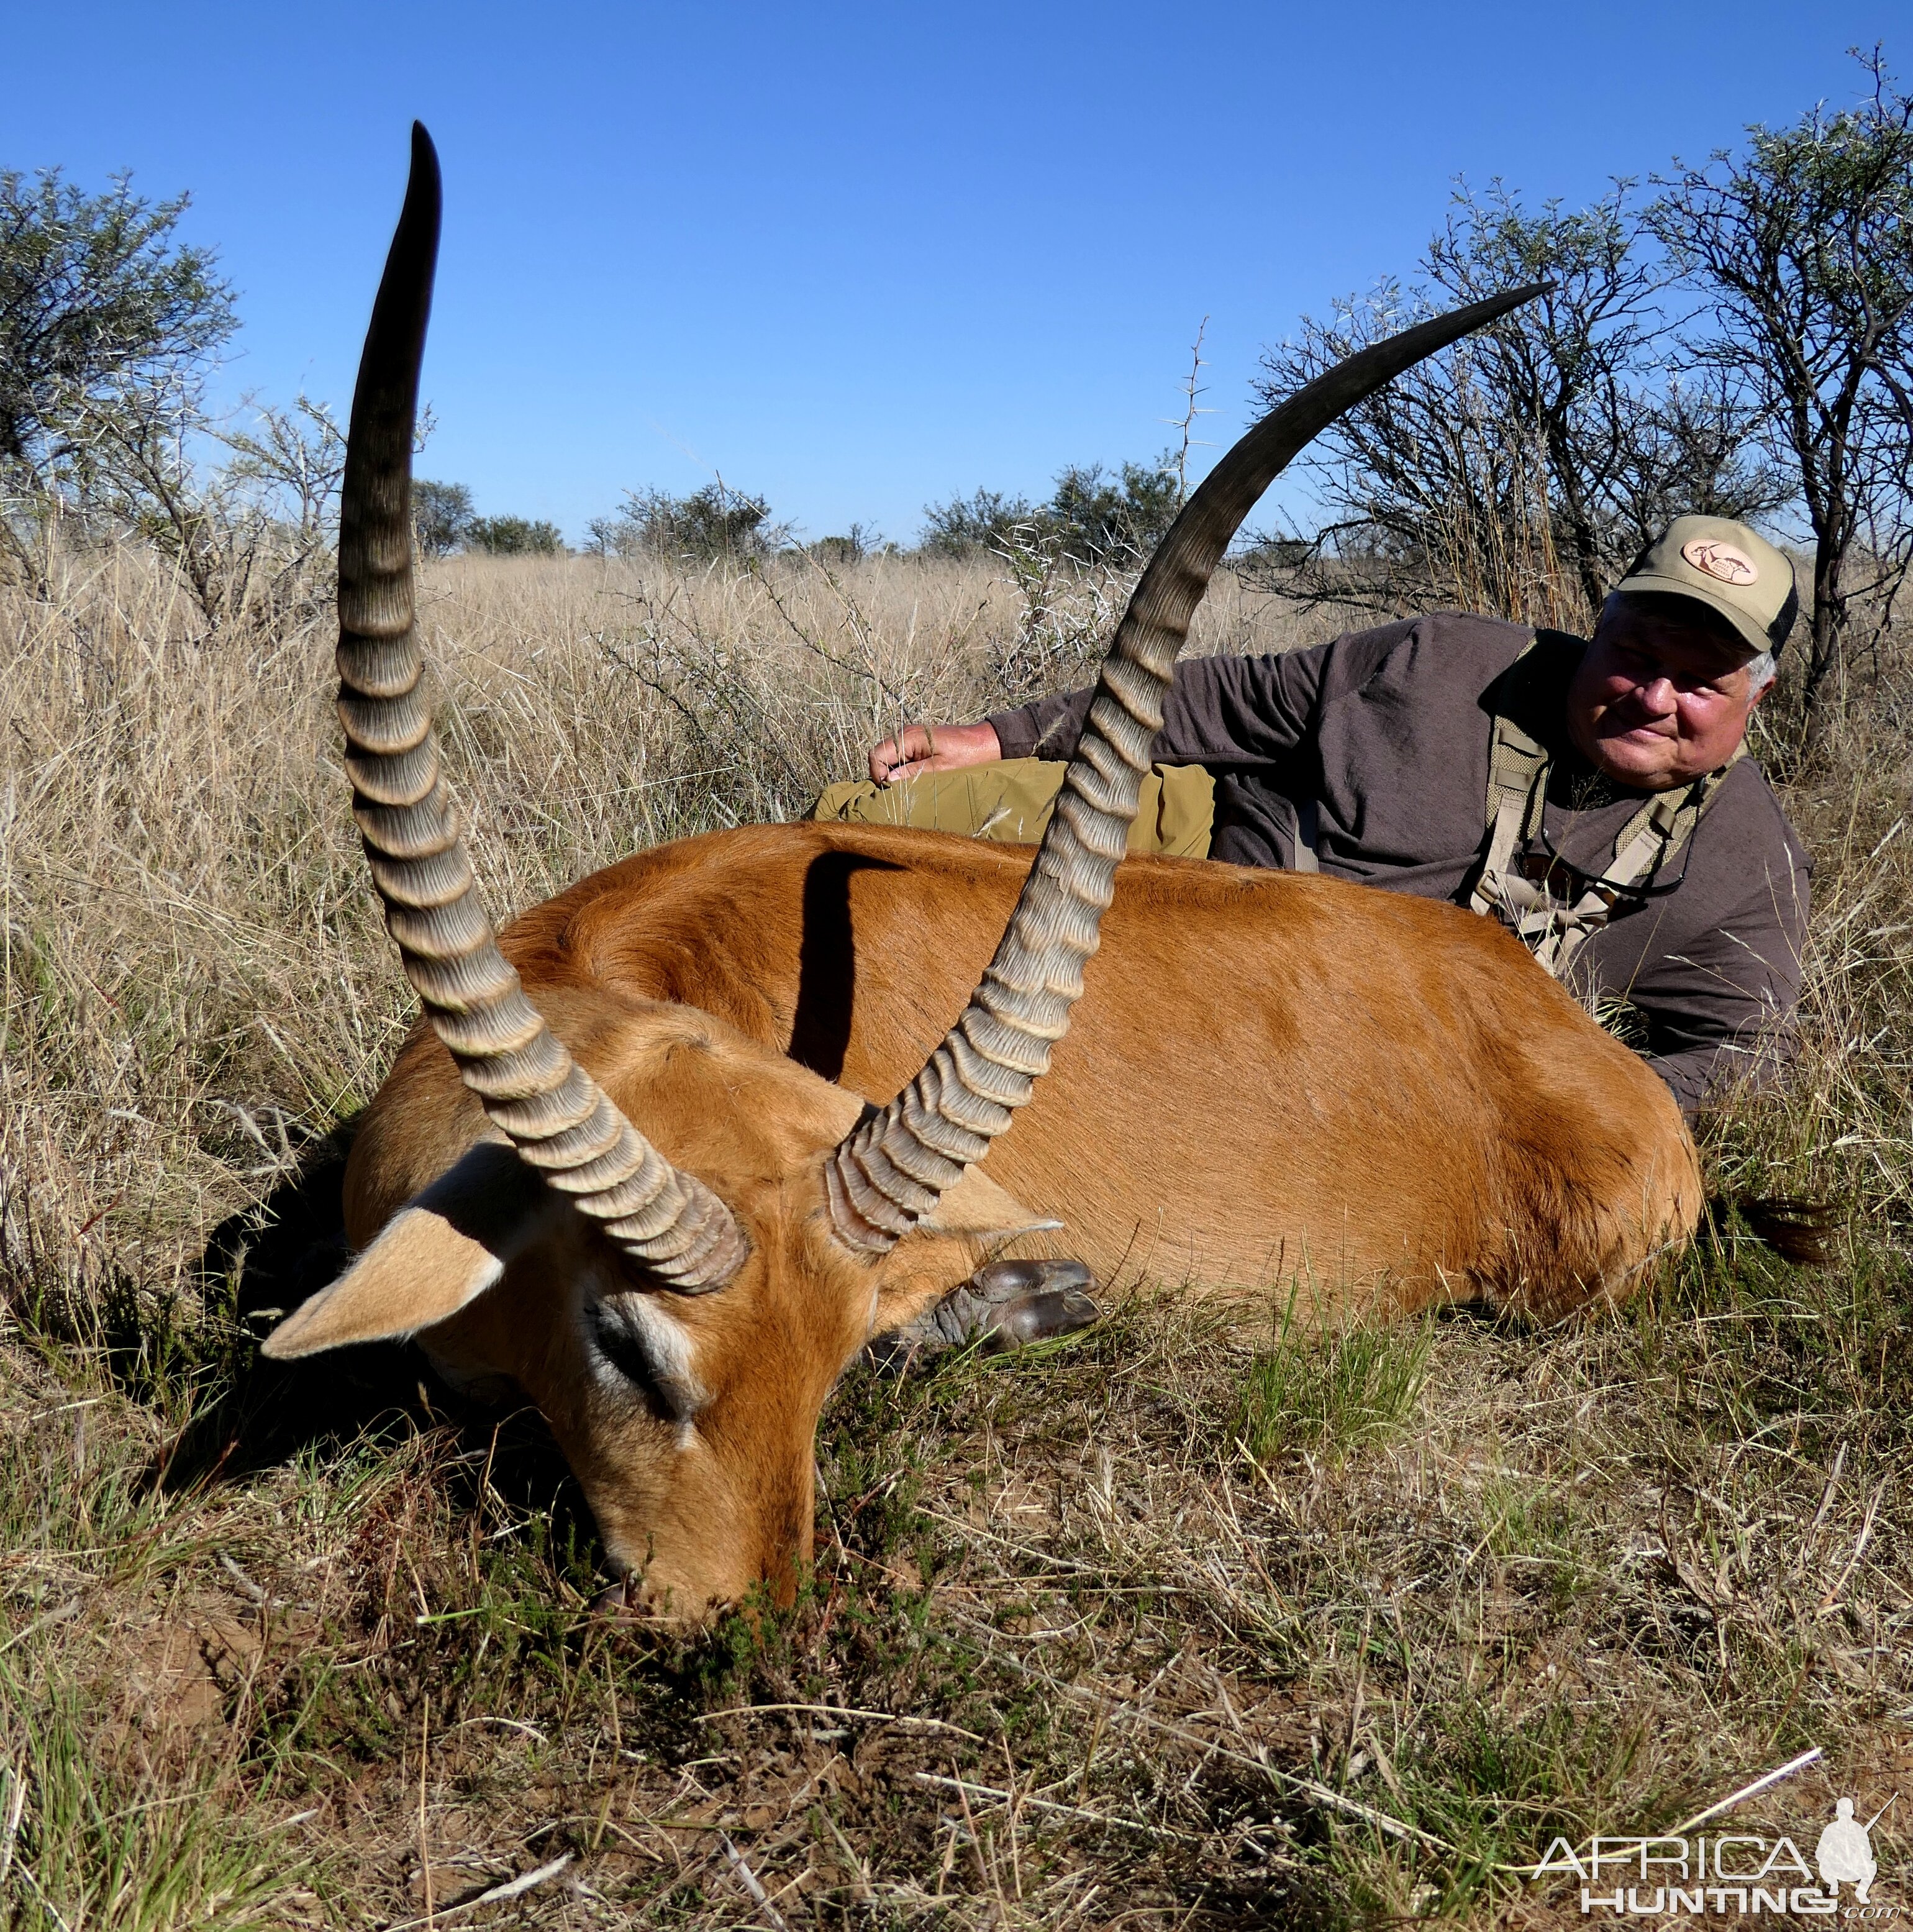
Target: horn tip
point(426, 183)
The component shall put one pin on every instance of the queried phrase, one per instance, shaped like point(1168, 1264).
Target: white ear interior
point(445, 1247)
point(977, 1206)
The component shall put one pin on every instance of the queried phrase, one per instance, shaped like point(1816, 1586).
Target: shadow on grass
point(238, 1412)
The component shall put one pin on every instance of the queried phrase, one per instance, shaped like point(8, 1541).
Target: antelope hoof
point(1038, 1318)
point(1021, 1302)
point(999, 1281)
point(622, 1601)
point(1004, 1305)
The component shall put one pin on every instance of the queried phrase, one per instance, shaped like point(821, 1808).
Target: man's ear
point(444, 1248)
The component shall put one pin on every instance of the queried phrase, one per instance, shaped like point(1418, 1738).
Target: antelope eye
point(622, 1349)
point(645, 1345)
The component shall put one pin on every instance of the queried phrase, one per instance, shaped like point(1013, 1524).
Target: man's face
point(1658, 702)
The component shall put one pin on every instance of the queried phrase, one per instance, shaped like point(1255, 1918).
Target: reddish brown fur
point(701, 1521)
point(1270, 1079)
point(1267, 1072)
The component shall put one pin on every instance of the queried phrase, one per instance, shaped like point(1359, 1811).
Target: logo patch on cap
point(1720, 561)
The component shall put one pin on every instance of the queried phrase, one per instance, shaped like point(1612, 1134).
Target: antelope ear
point(444, 1248)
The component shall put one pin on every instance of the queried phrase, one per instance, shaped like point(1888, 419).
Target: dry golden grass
point(196, 976)
point(1172, 1623)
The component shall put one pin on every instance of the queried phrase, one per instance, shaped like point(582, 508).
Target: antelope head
point(679, 1312)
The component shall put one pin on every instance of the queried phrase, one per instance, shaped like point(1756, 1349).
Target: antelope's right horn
point(888, 1171)
point(554, 1112)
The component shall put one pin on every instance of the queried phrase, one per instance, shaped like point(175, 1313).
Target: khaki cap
point(1725, 566)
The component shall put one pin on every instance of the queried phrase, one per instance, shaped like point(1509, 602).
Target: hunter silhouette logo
point(1845, 1853)
point(1720, 561)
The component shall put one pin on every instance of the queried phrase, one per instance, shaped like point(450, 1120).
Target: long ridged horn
point(554, 1113)
point(890, 1170)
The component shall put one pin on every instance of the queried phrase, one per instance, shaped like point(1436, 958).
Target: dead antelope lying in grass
point(1383, 1095)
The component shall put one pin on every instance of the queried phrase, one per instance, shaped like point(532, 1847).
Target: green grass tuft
point(1332, 1391)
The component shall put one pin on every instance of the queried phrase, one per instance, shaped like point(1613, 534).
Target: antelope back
point(1274, 1077)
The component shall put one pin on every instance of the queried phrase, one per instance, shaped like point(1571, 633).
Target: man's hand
point(934, 748)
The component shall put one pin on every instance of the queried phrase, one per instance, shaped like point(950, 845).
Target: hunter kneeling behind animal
point(1595, 796)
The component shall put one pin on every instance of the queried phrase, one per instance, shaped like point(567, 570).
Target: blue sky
point(858, 258)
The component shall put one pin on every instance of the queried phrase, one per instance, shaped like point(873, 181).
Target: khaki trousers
point(1011, 802)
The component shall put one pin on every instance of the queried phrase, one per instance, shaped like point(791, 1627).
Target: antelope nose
point(631, 1599)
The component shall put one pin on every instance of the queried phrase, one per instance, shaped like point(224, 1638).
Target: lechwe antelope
point(1272, 1076)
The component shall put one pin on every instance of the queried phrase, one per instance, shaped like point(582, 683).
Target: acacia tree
point(1091, 517)
point(716, 524)
point(1095, 517)
point(107, 323)
point(1521, 470)
point(441, 515)
point(513, 536)
point(1804, 246)
point(968, 525)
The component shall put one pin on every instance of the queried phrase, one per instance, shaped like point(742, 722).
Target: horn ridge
point(1022, 1006)
point(561, 1122)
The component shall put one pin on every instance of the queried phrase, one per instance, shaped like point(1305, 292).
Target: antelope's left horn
point(556, 1116)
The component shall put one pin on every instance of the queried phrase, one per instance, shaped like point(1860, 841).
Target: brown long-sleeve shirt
point(1387, 730)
